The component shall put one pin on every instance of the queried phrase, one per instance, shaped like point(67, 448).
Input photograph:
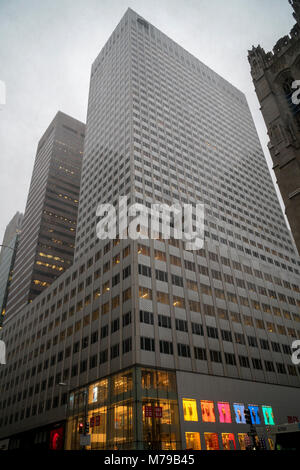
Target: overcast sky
point(47, 48)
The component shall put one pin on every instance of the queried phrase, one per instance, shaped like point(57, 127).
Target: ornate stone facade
point(273, 76)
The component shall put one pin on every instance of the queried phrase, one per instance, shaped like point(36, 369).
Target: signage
point(151, 411)
point(148, 411)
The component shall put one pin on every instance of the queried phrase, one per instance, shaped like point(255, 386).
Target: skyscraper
point(46, 244)
point(7, 259)
point(275, 76)
point(155, 346)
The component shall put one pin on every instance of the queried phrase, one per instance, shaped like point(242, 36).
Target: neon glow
point(268, 415)
point(239, 413)
point(211, 441)
point(228, 441)
point(254, 413)
point(208, 411)
point(224, 412)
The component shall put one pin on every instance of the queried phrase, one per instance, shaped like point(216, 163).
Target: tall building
point(273, 76)
point(46, 245)
point(7, 259)
point(155, 346)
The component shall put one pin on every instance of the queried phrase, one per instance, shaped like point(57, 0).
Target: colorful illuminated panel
point(190, 409)
point(193, 440)
point(208, 411)
point(211, 441)
point(228, 441)
point(268, 415)
point(224, 412)
point(239, 413)
point(244, 440)
point(254, 413)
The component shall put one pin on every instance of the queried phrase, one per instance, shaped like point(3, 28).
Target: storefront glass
point(192, 440)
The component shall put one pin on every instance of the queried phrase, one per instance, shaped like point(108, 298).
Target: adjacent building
point(153, 345)
point(7, 259)
point(46, 245)
point(274, 76)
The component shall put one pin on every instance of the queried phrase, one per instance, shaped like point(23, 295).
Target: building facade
point(46, 245)
point(153, 345)
point(274, 74)
point(7, 259)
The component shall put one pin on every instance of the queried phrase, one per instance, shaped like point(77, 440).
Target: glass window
point(192, 440)
point(224, 412)
point(228, 441)
point(208, 411)
point(211, 441)
point(189, 409)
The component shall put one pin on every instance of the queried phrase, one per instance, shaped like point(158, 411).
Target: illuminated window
point(162, 297)
point(268, 415)
point(189, 409)
point(239, 413)
point(193, 440)
point(143, 250)
point(178, 302)
point(145, 293)
point(224, 412)
point(228, 441)
point(105, 287)
point(160, 255)
point(211, 441)
point(208, 411)
point(254, 413)
point(116, 259)
point(243, 440)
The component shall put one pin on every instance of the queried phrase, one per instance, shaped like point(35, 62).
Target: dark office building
point(7, 259)
point(274, 76)
point(46, 244)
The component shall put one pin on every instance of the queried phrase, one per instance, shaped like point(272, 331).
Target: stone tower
point(274, 75)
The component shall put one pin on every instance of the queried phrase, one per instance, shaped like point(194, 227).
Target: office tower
point(7, 259)
point(46, 245)
point(152, 345)
point(274, 74)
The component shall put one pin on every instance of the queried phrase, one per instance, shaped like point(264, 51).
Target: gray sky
point(47, 48)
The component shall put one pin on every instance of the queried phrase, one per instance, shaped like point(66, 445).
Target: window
point(212, 332)
point(280, 368)
point(114, 351)
point(193, 440)
point(244, 361)
point(200, 354)
point(146, 317)
point(230, 359)
point(126, 319)
point(161, 275)
point(181, 325)
point(183, 350)
point(197, 329)
point(252, 341)
point(190, 412)
point(126, 345)
point(144, 270)
point(257, 364)
point(147, 344)
point(166, 347)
